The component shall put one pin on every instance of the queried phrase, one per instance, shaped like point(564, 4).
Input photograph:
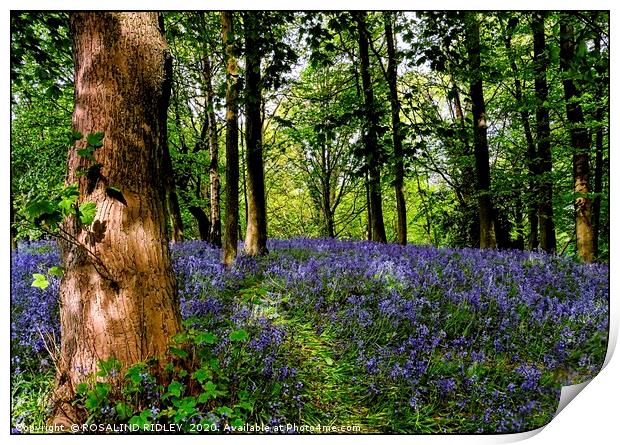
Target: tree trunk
point(598, 161)
point(118, 294)
point(232, 142)
point(204, 225)
point(256, 231)
point(580, 141)
point(370, 135)
point(215, 235)
point(532, 164)
point(481, 147)
point(543, 133)
point(368, 208)
point(172, 200)
point(399, 169)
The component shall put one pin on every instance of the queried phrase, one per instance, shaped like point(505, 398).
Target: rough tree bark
point(481, 147)
point(215, 233)
point(580, 141)
point(370, 134)
point(546, 223)
point(532, 164)
point(256, 231)
point(232, 141)
point(118, 294)
point(399, 169)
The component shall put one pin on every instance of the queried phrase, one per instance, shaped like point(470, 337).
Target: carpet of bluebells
point(388, 338)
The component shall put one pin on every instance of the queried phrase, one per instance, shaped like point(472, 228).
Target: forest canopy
point(332, 153)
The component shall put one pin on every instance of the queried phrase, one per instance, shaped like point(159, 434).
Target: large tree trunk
point(232, 142)
point(215, 235)
point(399, 169)
point(370, 135)
point(118, 294)
point(481, 147)
point(256, 231)
point(532, 164)
point(543, 133)
point(580, 141)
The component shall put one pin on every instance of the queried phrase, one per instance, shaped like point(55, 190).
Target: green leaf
point(134, 373)
point(87, 212)
point(240, 335)
point(175, 388)
point(237, 423)
point(210, 391)
point(76, 135)
point(202, 374)
point(39, 207)
point(245, 405)
point(224, 411)
point(40, 281)
point(123, 410)
point(329, 361)
point(142, 420)
point(81, 388)
point(95, 140)
point(56, 271)
point(205, 338)
point(181, 353)
point(86, 153)
point(107, 366)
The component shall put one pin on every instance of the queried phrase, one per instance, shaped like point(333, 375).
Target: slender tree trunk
point(256, 231)
point(368, 208)
point(244, 182)
point(598, 161)
point(399, 169)
point(520, 242)
point(232, 142)
point(481, 147)
point(118, 294)
point(467, 190)
point(204, 224)
point(532, 164)
point(370, 136)
point(172, 201)
point(543, 133)
point(215, 235)
point(580, 141)
point(13, 228)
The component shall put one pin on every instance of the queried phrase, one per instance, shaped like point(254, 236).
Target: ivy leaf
point(123, 410)
point(40, 281)
point(174, 389)
point(202, 374)
point(39, 207)
point(224, 411)
point(239, 335)
point(210, 391)
point(205, 338)
point(237, 423)
point(87, 212)
point(95, 140)
point(142, 420)
point(56, 271)
point(86, 153)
